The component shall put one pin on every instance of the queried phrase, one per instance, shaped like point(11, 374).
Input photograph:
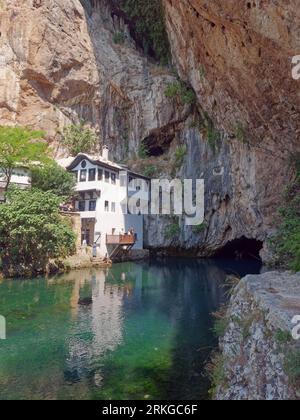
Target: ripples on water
point(147, 334)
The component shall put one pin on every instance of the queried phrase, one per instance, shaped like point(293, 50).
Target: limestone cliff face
point(59, 63)
point(237, 56)
point(258, 351)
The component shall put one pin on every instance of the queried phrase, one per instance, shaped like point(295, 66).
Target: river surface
point(147, 334)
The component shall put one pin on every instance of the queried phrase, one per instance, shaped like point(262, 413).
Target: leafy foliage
point(143, 152)
point(286, 244)
point(20, 147)
point(216, 372)
point(180, 91)
point(150, 171)
point(180, 154)
point(79, 139)
point(283, 337)
point(212, 134)
point(55, 179)
point(292, 367)
point(148, 25)
point(32, 232)
point(119, 38)
point(200, 228)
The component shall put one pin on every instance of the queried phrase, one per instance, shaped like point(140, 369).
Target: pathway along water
point(146, 335)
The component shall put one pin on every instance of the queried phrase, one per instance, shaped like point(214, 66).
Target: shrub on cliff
point(286, 243)
point(32, 232)
point(79, 139)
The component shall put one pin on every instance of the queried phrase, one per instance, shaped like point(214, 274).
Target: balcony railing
point(120, 239)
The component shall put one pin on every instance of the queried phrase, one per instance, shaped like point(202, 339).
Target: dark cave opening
point(158, 143)
point(242, 248)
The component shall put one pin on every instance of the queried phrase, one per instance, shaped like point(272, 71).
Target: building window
point(83, 164)
point(92, 205)
point(92, 174)
point(106, 206)
point(107, 176)
point(100, 174)
point(83, 174)
point(75, 173)
point(113, 207)
point(113, 179)
point(81, 206)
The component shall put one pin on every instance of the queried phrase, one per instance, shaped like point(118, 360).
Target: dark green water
point(147, 334)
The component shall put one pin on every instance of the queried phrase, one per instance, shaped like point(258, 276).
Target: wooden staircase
point(121, 245)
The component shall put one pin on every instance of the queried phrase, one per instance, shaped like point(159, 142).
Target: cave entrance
point(158, 142)
point(242, 248)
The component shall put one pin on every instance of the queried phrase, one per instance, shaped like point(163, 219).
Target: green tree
point(32, 232)
point(55, 179)
point(20, 147)
point(79, 139)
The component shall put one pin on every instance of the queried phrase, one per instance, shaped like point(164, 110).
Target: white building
point(103, 189)
point(20, 177)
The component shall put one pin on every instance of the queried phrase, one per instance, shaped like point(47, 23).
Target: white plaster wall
point(108, 223)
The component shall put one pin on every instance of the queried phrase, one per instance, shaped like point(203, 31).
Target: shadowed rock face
point(59, 63)
point(237, 56)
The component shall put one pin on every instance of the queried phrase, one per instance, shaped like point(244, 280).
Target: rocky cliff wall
point(259, 359)
point(237, 57)
point(61, 62)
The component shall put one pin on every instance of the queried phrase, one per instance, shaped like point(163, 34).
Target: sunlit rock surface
point(258, 348)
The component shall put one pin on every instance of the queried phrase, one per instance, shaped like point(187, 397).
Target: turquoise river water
point(146, 335)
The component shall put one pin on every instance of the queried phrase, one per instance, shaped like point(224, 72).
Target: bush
point(292, 367)
point(20, 147)
point(55, 179)
point(286, 243)
point(212, 134)
point(172, 231)
point(200, 228)
point(79, 139)
point(119, 38)
point(180, 91)
point(150, 171)
point(180, 154)
point(32, 232)
point(217, 373)
point(143, 151)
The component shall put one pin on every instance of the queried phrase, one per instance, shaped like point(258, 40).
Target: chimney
point(105, 153)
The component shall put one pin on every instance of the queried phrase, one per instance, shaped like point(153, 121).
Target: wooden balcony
point(120, 239)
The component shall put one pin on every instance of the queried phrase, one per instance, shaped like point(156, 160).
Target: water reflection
point(147, 333)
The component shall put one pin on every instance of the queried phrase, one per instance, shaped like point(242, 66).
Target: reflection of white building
point(20, 177)
point(102, 322)
point(104, 188)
